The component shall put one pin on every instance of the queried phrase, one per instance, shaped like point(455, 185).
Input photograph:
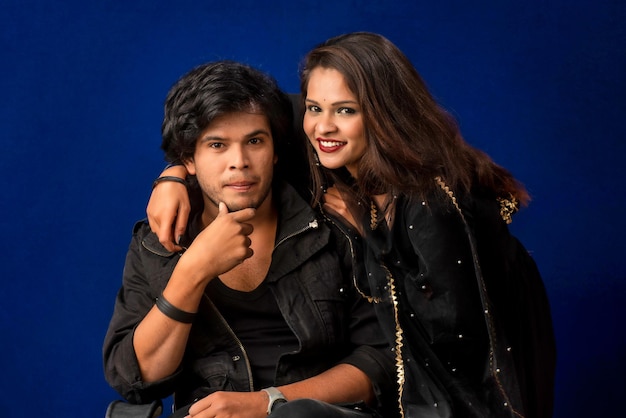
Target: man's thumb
point(222, 208)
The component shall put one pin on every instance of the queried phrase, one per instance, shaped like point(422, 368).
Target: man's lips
point(329, 145)
point(241, 186)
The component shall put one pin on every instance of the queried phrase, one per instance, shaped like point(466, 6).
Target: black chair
point(121, 409)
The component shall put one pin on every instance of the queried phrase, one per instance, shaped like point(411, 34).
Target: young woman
point(459, 297)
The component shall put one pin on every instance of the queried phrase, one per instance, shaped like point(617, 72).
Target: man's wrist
point(275, 398)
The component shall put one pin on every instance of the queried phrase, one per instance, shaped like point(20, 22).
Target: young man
point(259, 307)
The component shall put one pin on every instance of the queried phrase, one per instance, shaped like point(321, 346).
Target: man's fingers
point(241, 215)
point(244, 215)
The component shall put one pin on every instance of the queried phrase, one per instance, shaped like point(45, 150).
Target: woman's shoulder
point(450, 208)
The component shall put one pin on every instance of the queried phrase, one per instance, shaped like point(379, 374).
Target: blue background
point(539, 85)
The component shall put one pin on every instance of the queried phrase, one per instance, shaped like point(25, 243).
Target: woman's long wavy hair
point(411, 139)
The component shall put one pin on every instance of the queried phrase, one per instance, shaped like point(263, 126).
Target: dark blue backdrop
point(539, 85)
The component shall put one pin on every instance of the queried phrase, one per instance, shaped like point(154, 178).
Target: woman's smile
point(333, 120)
point(329, 145)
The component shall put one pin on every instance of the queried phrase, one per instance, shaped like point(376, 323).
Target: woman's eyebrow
point(338, 103)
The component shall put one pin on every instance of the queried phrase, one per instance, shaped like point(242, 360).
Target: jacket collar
point(295, 217)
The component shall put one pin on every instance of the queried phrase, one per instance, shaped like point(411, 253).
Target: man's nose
point(238, 158)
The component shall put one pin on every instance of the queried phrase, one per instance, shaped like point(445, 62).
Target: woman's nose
point(326, 124)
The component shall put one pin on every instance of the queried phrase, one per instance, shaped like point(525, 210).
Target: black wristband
point(169, 178)
point(173, 312)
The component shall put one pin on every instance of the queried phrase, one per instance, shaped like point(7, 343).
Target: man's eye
point(255, 140)
point(216, 145)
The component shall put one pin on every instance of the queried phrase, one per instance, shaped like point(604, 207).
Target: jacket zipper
point(311, 225)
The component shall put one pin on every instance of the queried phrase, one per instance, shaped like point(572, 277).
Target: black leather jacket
point(311, 276)
point(466, 308)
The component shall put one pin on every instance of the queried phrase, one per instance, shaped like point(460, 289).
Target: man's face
point(234, 161)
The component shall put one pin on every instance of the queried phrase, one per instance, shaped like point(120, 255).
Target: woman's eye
point(313, 108)
point(346, 110)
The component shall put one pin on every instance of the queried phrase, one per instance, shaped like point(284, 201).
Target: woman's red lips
point(329, 145)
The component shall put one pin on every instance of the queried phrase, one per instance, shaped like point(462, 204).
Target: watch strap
point(274, 395)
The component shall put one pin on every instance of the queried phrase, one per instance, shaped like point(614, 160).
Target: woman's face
point(333, 121)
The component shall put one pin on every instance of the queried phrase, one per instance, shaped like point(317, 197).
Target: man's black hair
point(223, 87)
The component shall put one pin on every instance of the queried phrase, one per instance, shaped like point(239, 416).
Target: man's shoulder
point(141, 227)
point(149, 240)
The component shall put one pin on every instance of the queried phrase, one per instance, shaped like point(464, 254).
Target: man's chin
point(239, 202)
point(235, 206)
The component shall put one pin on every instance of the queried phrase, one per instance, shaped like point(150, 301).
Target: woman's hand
point(168, 209)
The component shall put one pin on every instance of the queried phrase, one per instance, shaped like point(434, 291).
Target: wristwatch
point(276, 398)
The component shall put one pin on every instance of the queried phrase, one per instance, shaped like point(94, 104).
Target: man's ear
point(190, 165)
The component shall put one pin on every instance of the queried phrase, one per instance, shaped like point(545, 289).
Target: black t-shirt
point(258, 323)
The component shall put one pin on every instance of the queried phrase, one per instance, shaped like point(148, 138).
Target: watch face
point(278, 402)
point(276, 398)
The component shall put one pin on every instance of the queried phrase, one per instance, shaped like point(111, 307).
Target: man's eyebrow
point(248, 135)
point(258, 132)
point(211, 138)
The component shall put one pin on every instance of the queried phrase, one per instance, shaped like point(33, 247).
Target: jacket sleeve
point(517, 291)
point(512, 292)
point(134, 300)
